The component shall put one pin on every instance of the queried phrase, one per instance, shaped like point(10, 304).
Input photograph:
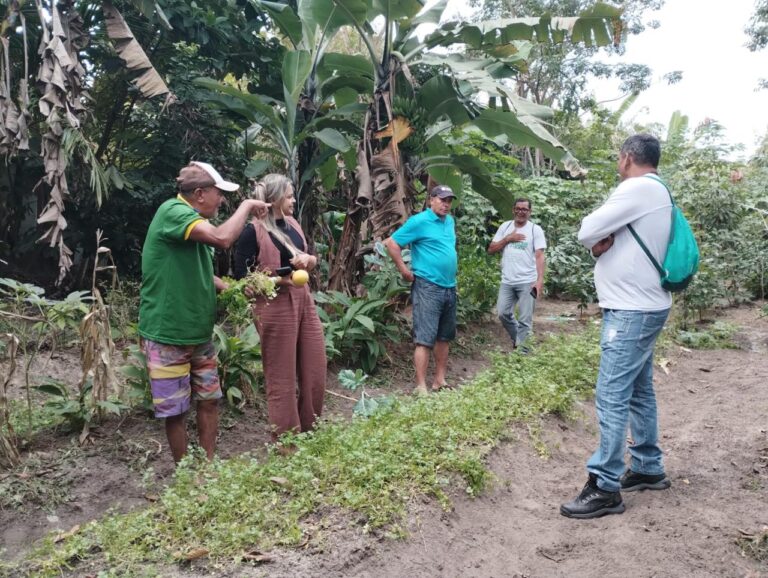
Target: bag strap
point(658, 267)
point(646, 251)
point(658, 179)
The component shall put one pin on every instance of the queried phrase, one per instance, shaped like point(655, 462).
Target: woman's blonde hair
point(272, 189)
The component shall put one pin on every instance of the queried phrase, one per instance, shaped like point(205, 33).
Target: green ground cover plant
point(371, 467)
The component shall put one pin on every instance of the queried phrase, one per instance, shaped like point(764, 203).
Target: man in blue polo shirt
point(432, 237)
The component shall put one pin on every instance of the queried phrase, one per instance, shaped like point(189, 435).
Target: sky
point(705, 40)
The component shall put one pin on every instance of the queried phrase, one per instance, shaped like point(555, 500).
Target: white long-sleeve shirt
point(625, 278)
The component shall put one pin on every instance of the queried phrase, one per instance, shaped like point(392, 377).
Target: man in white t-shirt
point(522, 245)
point(635, 307)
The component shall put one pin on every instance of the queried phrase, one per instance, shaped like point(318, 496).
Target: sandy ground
point(714, 424)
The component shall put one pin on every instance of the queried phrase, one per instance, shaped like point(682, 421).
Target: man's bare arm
point(223, 236)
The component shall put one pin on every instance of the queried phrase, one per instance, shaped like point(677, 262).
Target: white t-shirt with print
point(518, 260)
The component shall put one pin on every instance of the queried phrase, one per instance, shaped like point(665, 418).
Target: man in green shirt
point(178, 301)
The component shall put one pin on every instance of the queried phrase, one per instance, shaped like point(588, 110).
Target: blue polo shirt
point(433, 247)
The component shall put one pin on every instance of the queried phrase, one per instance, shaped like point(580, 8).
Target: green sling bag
point(682, 258)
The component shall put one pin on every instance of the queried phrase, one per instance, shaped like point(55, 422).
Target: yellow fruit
point(300, 277)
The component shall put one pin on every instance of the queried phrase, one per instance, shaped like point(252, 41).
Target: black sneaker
point(632, 481)
point(593, 502)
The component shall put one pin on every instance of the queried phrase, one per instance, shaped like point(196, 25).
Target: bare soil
point(714, 424)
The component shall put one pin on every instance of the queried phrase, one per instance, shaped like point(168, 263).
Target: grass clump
point(756, 545)
point(718, 335)
point(371, 467)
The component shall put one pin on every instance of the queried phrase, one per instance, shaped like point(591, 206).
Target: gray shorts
point(434, 312)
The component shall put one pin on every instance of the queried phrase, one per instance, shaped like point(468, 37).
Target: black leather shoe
point(632, 481)
point(593, 502)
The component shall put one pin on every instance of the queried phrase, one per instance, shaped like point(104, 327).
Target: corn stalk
point(97, 345)
point(9, 453)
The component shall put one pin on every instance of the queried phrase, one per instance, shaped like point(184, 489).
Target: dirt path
point(714, 422)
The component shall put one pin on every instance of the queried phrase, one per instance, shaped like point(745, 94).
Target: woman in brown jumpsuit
point(292, 341)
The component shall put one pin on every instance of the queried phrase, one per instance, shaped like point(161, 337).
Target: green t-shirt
point(178, 297)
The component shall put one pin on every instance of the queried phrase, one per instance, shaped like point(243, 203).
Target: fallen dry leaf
point(68, 534)
point(196, 553)
point(258, 557)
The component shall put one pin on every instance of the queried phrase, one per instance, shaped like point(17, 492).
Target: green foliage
point(25, 424)
point(477, 285)
point(367, 405)
point(356, 328)
point(136, 375)
point(382, 279)
point(239, 363)
point(726, 206)
point(372, 467)
point(234, 303)
point(123, 301)
point(718, 335)
point(81, 410)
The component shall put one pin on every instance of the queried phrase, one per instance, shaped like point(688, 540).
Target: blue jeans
point(434, 312)
point(520, 295)
point(625, 394)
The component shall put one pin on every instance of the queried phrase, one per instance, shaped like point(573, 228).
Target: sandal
point(443, 386)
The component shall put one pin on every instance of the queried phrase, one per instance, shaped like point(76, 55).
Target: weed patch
point(371, 466)
point(716, 336)
point(755, 545)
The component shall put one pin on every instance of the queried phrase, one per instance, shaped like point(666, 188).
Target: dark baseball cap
point(442, 192)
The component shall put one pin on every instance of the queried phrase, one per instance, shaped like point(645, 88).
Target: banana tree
point(409, 126)
point(471, 67)
point(63, 98)
point(310, 124)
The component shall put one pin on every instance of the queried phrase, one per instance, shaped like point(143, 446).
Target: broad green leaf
point(329, 173)
point(523, 130)
point(53, 389)
point(598, 26)
point(285, 18)
point(431, 15)
point(366, 406)
point(366, 322)
point(348, 11)
point(396, 9)
point(256, 168)
point(439, 97)
point(333, 139)
point(361, 84)
point(257, 102)
point(345, 65)
point(345, 96)
point(296, 68)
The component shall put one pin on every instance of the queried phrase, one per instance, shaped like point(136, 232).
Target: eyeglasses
point(522, 210)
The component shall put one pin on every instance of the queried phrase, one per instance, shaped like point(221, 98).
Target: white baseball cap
point(218, 180)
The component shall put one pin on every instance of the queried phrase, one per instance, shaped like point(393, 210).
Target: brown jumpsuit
point(292, 346)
